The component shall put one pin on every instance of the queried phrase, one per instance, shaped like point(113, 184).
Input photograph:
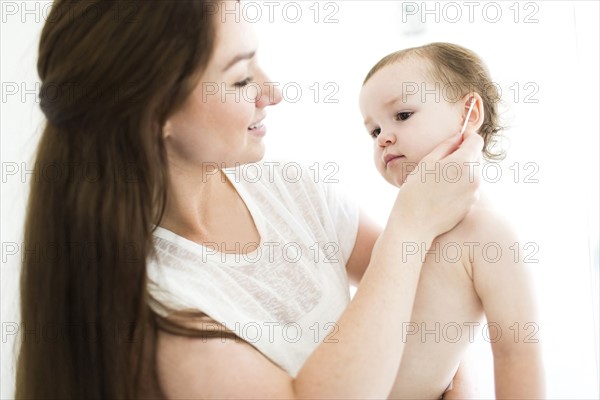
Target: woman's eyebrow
point(238, 58)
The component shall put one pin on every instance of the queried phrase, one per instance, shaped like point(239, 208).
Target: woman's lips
point(259, 130)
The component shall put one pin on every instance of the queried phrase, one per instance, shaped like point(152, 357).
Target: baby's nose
point(386, 137)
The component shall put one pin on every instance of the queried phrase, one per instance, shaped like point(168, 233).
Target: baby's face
point(407, 115)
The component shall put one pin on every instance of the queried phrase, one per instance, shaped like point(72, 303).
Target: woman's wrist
point(409, 229)
point(406, 221)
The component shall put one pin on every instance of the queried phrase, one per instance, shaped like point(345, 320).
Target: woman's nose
point(269, 95)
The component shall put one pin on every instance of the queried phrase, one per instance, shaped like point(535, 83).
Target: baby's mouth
point(392, 158)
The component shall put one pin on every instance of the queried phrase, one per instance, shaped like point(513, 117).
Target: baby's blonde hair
point(465, 72)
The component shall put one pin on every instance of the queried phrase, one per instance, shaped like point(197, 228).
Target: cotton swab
point(468, 115)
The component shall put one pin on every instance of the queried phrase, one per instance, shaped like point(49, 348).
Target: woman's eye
point(244, 82)
point(403, 116)
point(375, 133)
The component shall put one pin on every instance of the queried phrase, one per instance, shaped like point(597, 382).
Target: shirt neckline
point(208, 253)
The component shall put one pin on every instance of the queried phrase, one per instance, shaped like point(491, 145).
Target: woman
point(140, 118)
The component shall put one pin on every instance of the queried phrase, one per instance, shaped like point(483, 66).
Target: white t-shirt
point(286, 295)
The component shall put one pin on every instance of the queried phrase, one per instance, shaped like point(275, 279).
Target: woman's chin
point(254, 156)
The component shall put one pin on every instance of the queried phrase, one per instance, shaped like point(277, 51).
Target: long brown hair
point(464, 71)
point(111, 72)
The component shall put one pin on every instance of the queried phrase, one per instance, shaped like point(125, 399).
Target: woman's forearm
point(368, 345)
point(364, 361)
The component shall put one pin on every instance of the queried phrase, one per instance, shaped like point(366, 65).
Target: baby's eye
point(244, 82)
point(375, 132)
point(403, 116)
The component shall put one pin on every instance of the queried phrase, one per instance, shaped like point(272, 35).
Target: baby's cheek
point(424, 150)
point(381, 169)
point(377, 161)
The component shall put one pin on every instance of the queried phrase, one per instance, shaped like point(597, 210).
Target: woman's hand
point(439, 193)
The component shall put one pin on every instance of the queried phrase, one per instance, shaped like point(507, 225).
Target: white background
point(555, 53)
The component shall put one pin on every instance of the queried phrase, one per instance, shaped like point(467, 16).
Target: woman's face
point(221, 122)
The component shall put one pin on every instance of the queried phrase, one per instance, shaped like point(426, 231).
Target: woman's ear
point(166, 129)
point(477, 114)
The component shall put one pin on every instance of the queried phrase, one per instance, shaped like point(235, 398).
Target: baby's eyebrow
point(388, 103)
point(401, 96)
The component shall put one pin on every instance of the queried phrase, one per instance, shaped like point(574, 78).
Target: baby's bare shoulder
point(484, 234)
point(483, 223)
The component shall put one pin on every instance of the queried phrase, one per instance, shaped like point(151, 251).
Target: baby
point(411, 101)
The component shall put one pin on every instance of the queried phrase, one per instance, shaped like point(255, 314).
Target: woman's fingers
point(467, 147)
point(444, 185)
point(444, 149)
point(471, 147)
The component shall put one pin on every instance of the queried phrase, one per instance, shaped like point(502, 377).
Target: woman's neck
point(194, 200)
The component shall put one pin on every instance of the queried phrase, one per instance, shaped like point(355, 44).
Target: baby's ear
point(477, 114)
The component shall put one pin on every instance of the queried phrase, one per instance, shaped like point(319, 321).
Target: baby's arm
point(504, 284)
